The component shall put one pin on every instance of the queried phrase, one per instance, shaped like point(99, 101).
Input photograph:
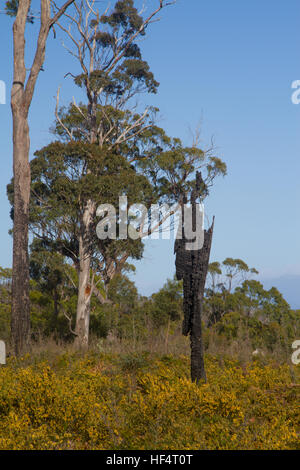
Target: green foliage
point(5, 310)
point(124, 16)
point(122, 292)
point(172, 168)
point(267, 336)
point(121, 71)
point(5, 302)
point(167, 303)
point(134, 362)
point(222, 279)
point(236, 268)
point(248, 316)
point(261, 318)
point(64, 177)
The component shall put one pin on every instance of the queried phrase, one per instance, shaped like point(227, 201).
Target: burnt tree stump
point(192, 267)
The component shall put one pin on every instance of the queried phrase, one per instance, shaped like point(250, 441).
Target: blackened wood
point(192, 267)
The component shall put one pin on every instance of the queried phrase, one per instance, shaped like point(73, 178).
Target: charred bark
point(192, 267)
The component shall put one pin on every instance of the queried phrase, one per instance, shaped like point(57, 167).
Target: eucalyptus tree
point(64, 177)
point(223, 288)
point(150, 169)
point(23, 87)
point(112, 73)
point(107, 148)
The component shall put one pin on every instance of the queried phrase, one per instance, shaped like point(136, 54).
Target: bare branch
point(100, 297)
point(70, 323)
point(45, 25)
point(70, 133)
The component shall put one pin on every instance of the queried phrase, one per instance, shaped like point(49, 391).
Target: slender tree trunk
point(83, 304)
point(85, 286)
point(20, 316)
point(56, 305)
point(21, 98)
point(133, 332)
point(167, 335)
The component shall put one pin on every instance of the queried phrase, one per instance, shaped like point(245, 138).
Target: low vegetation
point(146, 401)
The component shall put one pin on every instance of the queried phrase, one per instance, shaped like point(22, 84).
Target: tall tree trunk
point(21, 98)
point(55, 306)
point(20, 315)
point(85, 285)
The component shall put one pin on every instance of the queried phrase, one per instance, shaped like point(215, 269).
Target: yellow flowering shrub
point(108, 402)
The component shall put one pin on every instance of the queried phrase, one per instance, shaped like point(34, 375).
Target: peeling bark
point(85, 284)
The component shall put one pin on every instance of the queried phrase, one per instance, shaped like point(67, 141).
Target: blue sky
point(229, 65)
